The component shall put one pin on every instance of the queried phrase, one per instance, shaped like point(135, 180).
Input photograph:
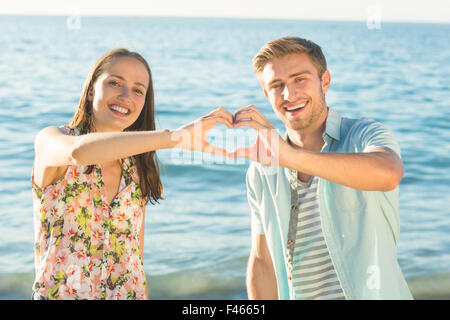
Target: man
point(325, 223)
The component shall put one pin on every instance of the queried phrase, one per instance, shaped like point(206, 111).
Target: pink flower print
point(110, 269)
point(135, 264)
point(70, 209)
point(84, 200)
point(53, 211)
point(96, 219)
point(136, 213)
point(81, 254)
point(75, 173)
point(72, 233)
point(55, 193)
point(120, 220)
point(127, 203)
point(116, 271)
point(96, 234)
point(61, 258)
point(68, 293)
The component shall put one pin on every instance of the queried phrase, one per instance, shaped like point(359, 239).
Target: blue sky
point(354, 10)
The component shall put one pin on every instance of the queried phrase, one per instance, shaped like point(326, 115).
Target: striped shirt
point(311, 272)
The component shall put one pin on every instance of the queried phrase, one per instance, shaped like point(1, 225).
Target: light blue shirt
point(361, 228)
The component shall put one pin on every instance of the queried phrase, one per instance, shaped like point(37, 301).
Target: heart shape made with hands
point(231, 139)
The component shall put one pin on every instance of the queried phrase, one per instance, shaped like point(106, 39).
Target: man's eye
point(299, 79)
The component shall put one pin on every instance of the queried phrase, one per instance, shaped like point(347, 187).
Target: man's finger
point(249, 123)
point(249, 114)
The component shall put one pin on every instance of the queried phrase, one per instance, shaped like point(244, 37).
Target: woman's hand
point(193, 135)
point(267, 147)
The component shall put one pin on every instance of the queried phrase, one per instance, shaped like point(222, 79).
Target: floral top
point(85, 248)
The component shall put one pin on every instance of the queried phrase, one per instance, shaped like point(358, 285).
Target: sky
point(434, 11)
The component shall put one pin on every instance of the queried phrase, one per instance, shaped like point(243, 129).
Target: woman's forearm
point(102, 147)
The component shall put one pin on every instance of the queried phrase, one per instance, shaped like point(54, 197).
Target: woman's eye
point(139, 92)
point(113, 83)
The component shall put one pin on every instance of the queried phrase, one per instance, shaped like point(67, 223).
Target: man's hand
point(377, 168)
point(266, 149)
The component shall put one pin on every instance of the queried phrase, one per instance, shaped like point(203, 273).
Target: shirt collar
point(333, 125)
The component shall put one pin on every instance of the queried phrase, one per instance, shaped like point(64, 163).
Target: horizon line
point(221, 17)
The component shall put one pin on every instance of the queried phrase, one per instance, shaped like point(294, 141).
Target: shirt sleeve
point(253, 181)
point(374, 134)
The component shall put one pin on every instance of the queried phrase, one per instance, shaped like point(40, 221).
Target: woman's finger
point(222, 112)
point(212, 120)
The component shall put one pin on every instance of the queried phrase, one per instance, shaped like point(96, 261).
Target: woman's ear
point(90, 94)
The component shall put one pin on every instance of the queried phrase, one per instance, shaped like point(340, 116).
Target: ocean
point(197, 240)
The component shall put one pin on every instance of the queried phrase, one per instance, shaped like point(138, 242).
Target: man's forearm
point(261, 281)
point(380, 170)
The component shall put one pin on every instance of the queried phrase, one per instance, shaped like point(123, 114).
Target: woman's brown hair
point(146, 163)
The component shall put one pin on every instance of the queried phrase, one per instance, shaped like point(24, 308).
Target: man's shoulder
point(357, 127)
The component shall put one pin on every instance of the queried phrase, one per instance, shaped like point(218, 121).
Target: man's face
point(296, 92)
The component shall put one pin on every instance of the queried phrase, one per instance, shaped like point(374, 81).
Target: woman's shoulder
point(70, 130)
point(62, 129)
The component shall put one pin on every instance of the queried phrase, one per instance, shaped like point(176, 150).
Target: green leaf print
point(131, 295)
point(53, 293)
point(83, 218)
point(60, 278)
point(136, 196)
point(98, 201)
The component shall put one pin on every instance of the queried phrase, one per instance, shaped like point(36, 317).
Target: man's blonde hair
point(281, 47)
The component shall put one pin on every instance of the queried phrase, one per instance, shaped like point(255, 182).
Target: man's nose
point(288, 93)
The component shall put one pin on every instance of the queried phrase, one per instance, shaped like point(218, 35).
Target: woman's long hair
point(146, 163)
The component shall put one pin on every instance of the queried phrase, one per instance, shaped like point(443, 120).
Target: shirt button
point(290, 242)
point(294, 207)
point(289, 278)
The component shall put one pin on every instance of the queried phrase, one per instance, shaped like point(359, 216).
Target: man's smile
point(294, 109)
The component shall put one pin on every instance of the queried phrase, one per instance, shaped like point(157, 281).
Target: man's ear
point(325, 81)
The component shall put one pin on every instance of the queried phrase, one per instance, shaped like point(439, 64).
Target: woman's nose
point(125, 92)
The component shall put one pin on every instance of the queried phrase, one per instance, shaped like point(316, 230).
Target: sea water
point(197, 240)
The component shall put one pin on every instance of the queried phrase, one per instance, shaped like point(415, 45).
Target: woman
point(93, 178)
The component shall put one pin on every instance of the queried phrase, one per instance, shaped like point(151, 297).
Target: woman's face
point(119, 94)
